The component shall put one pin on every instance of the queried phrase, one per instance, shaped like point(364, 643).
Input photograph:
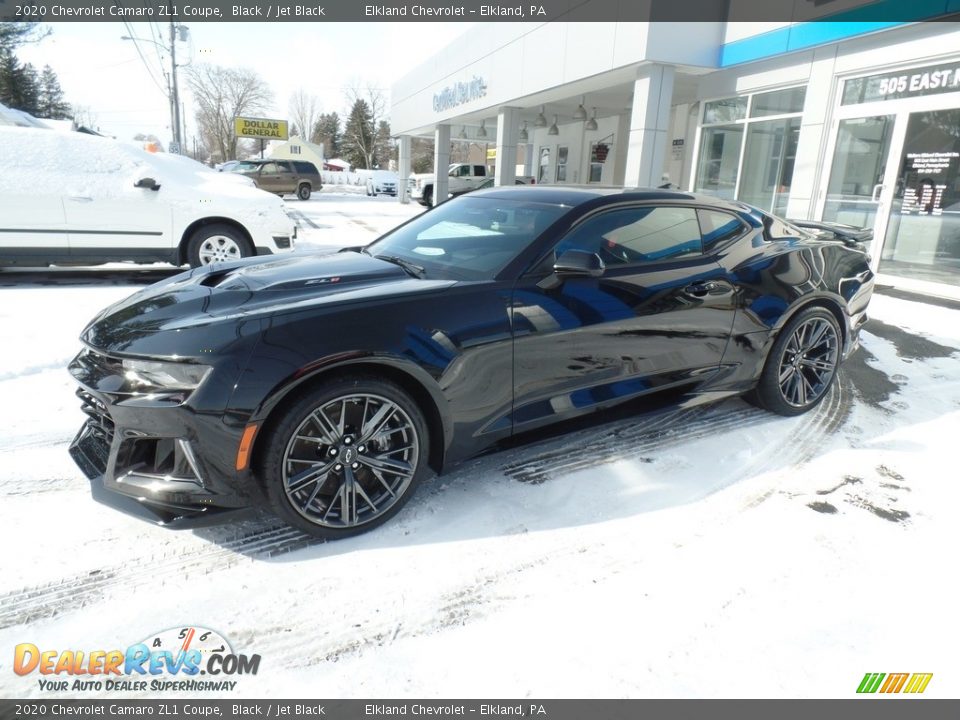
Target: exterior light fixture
point(482, 132)
point(554, 130)
point(463, 132)
point(592, 122)
point(541, 120)
point(523, 136)
point(581, 113)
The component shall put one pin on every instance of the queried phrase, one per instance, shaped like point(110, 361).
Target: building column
point(649, 125)
point(528, 157)
point(403, 189)
point(811, 144)
point(621, 143)
point(508, 128)
point(441, 163)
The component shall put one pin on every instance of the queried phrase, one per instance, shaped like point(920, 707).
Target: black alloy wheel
point(346, 457)
point(802, 364)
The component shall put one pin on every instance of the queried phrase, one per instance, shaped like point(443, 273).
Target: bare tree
point(83, 116)
point(373, 102)
point(304, 111)
point(221, 95)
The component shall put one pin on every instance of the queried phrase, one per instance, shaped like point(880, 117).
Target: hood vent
point(214, 278)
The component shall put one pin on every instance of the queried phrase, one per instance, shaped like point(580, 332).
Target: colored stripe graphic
point(918, 683)
point(870, 682)
point(895, 682)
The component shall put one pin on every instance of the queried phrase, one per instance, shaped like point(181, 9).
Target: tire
point(427, 196)
point(802, 364)
point(382, 451)
point(368, 191)
point(303, 191)
point(217, 243)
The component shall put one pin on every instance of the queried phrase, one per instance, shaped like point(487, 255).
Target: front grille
point(282, 241)
point(99, 421)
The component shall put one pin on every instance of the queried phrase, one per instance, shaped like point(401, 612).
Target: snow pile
point(75, 164)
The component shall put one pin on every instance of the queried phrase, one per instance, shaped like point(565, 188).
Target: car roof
point(573, 195)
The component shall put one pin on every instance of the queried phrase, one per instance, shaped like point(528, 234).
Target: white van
point(73, 199)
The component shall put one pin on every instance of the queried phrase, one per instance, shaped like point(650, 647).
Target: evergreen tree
point(359, 136)
point(384, 150)
point(21, 87)
point(52, 104)
point(19, 84)
point(327, 131)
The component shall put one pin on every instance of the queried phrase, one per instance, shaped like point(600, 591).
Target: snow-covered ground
point(715, 551)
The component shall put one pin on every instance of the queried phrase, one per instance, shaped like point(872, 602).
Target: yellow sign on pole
point(491, 153)
point(260, 128)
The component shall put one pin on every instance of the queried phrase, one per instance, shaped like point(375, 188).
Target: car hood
point(247, 290)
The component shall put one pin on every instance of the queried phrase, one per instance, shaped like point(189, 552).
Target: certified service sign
point(260, 128)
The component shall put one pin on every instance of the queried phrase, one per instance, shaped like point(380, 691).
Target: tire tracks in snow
point(636, 439)
point(632, 438)
point(47, 600)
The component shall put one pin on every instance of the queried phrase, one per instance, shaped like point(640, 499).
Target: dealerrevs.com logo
point(894, 682)
point(188, 659)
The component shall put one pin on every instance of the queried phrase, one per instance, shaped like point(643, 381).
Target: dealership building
point(851, 122)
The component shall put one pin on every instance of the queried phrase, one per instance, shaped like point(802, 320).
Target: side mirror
point(573, 263)
point(579, 263)
point(147, 184)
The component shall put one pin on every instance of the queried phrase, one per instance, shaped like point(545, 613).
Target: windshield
point(468, 238)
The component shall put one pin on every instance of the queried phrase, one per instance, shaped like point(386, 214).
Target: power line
point(133, 37)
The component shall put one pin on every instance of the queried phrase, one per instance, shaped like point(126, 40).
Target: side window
point(286, 167)
point(718, 227)
point(479, 171)
point(463, 171)
point(639, 234)
point(269, 168)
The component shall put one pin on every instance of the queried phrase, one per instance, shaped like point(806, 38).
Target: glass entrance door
point(922, 239)
point(857, 173)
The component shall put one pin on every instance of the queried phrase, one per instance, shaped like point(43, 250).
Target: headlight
point(164, 375)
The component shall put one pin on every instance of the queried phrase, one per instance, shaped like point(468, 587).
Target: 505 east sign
point(929, 80)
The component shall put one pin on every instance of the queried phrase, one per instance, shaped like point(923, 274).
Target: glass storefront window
point(778, 102)
point(768, 161)
point(719, 158)
point(923, 233)
point(856, 175)
point(747, 157)
point(724, 111)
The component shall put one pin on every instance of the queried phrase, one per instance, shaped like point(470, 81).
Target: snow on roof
point(80, 164)
point(338, 162)
point(19, 118)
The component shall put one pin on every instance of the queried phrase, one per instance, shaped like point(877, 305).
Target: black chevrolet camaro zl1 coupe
point(327, 386)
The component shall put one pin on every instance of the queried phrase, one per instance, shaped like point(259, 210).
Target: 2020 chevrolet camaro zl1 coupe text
point(327, 386)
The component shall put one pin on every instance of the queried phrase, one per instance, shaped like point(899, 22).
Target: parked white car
point(382, 182)
point(71, 198)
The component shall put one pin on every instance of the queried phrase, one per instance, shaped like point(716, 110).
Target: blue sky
point(101, 71)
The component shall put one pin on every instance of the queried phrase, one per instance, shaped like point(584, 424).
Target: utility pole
point(176, 92)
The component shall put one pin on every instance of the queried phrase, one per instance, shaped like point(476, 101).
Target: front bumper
point(143, 455)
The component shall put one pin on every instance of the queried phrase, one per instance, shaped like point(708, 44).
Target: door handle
point(699, 289)
point(877, 189)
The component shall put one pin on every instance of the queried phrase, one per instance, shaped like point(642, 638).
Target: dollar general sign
point(261, 128)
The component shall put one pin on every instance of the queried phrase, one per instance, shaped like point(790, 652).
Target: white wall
point(521, 59)
point(577, 140)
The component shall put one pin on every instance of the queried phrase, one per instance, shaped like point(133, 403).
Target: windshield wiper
point(413, 269)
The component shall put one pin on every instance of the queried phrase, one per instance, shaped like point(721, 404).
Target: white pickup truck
point(463, 177)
